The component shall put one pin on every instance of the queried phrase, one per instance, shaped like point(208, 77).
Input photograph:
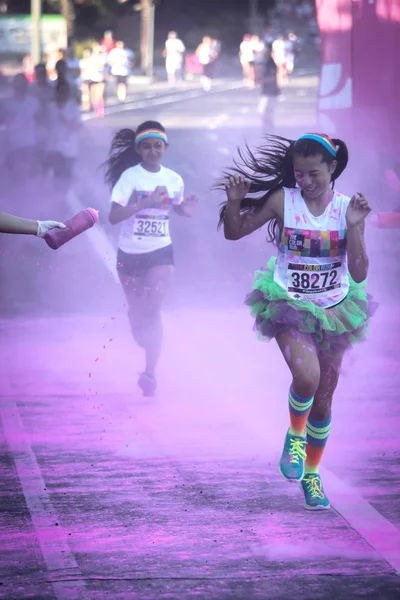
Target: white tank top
point(312, 261)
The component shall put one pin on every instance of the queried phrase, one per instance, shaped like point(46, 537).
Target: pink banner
point(360, 71)
point(335, 22)
point(376, 74)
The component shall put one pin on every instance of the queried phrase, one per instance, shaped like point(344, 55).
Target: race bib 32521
point(151, 226)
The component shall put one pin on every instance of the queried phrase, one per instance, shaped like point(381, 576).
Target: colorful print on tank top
point(312, 262)
point(306, 242)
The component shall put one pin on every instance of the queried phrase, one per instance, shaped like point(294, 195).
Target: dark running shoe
point(147, 384)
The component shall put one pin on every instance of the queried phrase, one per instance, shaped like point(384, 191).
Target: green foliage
point(104, 7)
point(53, 4)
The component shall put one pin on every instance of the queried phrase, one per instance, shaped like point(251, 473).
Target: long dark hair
point(270, 168)
point(123, 153)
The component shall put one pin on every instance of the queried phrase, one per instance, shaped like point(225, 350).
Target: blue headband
point(151, 133)
point(326, 142)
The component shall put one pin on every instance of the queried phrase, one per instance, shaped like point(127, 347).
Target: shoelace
point(315, 487)
point(297, 451)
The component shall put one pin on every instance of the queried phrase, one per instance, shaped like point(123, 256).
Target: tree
point(68, 12)
point(68, 9)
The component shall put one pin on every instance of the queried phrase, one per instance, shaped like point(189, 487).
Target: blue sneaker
point(293, 456)
point(147, 384)
point(314, 492)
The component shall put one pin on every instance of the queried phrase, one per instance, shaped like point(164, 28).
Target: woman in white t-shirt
point(279, 56)
point(206, 54)
point(246, 55)
point(143, 195)
point(173, 54)
point(93, 67)
point(120, 60)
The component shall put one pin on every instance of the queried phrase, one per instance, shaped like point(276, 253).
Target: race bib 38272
point(307, 280)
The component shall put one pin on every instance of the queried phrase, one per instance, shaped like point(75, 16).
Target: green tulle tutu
point(332, 328)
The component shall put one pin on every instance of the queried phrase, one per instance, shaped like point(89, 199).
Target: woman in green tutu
point(311, 298)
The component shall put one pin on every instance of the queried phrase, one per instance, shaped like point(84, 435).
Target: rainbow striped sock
point(317, 436)
point(299, 409)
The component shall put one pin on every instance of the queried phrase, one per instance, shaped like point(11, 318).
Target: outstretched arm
point(11, 224)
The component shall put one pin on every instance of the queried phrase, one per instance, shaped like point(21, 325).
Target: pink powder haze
point(107, 494)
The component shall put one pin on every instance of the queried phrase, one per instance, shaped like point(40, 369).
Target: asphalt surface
point(105, 494)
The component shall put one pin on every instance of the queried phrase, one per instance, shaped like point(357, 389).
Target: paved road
point(105, 495)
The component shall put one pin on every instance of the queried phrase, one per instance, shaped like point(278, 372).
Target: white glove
point(45, 226)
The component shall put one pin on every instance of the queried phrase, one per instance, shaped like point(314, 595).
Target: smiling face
point(313, 176)
point(151, 151)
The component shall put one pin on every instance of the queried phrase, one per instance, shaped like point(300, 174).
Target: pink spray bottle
point(77, 224)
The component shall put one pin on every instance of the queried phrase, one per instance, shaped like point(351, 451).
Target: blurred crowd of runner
point(41, 123)
point(42, 116)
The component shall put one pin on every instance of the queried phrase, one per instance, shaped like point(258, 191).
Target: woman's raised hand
point(236, 188)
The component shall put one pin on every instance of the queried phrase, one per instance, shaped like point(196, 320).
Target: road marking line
point(53, 541)
point(160, 100)
point(302, 72)
point(376, 530)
